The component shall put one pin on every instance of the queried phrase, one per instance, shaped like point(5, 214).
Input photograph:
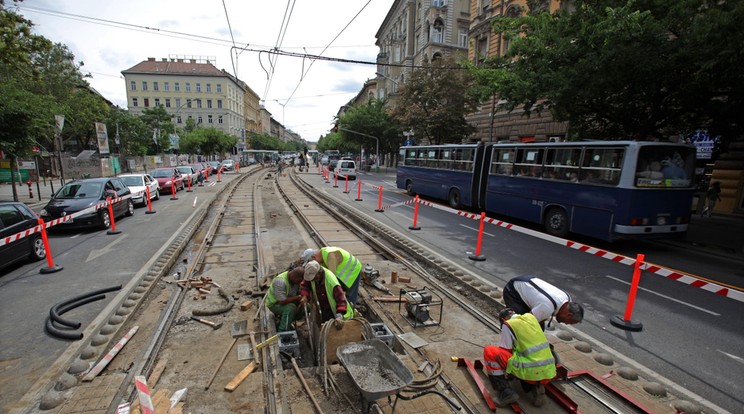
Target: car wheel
point(157, 194)
point(130, 208)
point(556, 222)
point(409, 187)
point(38, 252)
point(105, 219)
point(454, 198)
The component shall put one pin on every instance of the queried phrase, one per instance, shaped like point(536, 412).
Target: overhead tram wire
point(229, 27)
point(288, 11)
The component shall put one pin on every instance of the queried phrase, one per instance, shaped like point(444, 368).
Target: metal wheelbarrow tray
point(375, 370)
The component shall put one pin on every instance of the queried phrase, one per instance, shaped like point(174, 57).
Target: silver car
point(189, 173)
point(138, 184)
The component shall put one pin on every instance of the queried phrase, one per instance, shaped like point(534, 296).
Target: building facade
point(189, 88)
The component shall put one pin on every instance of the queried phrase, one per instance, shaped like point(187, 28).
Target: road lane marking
point(667, 297)
point(734, 357)
point(94, 254)
point(477, 230)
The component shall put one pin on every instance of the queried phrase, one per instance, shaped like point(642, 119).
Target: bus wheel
point(409, 187)
point(454, 198)
point(556, 222)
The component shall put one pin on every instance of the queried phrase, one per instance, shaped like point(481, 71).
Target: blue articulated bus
point(607, 190)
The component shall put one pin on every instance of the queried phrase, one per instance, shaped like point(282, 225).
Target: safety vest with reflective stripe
point(348, 270)
point(330, 283)
point(270, 298)
point(490, 359)
point(532, 359)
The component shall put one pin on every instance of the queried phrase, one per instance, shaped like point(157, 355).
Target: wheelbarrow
point(375, 370)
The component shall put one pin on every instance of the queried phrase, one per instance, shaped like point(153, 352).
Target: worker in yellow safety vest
point(283, 298)
point(523, 352)
point(343, 264)
point(330, 298)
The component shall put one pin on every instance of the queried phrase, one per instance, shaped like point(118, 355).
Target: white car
point(346, 168)
point(228, 165)
point(138, 183)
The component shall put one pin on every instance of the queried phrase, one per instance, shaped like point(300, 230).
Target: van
point(347, 168)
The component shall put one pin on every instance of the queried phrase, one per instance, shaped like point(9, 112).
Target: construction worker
point(330, 298)
point(343, 264)
point(284, 299)
point(531, 294)
point(523, 352)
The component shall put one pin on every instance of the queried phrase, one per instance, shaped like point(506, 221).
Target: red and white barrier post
point(188, 190)
point(143, 392)
point(379, 202)
point(625, 322)
point(335, 179)
point(51, 267)
point(112, 230)
point(149, 202)
point(415, 215)
point(173, 190)
point(219, 173)
point(30, 190)
point(477, 256)
point(359, 190)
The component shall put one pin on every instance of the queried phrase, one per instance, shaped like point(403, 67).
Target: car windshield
point(80, 190)
point(162, 173)
point(131, 181)
point(197, 166)
point(185, 170)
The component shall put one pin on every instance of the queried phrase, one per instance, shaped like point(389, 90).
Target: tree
point(625, 70)
point(210, 141)
point(135, 136)
point(158, 119)
point(370, 119)
point(434, 102)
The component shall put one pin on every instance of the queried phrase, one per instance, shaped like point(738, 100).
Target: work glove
point(339, 321)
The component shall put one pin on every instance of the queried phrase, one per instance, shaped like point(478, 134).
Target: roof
point(175, 67)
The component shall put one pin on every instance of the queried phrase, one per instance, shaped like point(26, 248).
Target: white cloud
point(113, 36)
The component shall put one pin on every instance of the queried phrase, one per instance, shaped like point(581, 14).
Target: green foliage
point(135, 136)
point(25, 119)
point(434, 102)
point(207, 141)
point(618, 69)
point(265, 142)
point(368, 119)
point(157, 118)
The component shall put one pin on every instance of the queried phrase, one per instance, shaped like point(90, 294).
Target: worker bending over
point(528, 293)
point(284, 299)
point(343, 264)
point(523, 352)
point(321, 285)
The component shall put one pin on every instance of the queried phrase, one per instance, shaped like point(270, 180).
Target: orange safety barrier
point(379, 202)
point(112, 230)
point(335, 179)
point(626, 323)
point(219, 173)
point(359, 190)
point(149, 202)
point(346, 187)
point(188, 190)
point(477, 256)
point(415, 215)
point(206, 175)
point(51, 267)
point(173, 191)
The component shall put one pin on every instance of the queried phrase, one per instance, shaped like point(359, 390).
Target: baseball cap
point(311, 270)
point(307, 255)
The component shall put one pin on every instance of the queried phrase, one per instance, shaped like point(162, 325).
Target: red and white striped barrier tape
point(143, 392)
point(110, 355)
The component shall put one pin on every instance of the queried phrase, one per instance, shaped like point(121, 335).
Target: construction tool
point(236, 334)
point(214, 325)
point(245, 351)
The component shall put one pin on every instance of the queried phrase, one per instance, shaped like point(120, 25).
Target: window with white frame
point(437, 32)
point(167, 103)
point(178, 119)
point(188, 86)
point(144, 85)
point(155, 86)
point(198, 103)
point(462, 37)
point(134, 102)
point(133, 85)
point(177, 87)
point(219, 103)
point(157, 102)
point(209, 119)
point(438, 3)
point(198, 87)
point(219, 88)
point(209, 88)
point(166, 86)
point(219, 119)
point(199, 119)
point(209, 103)
point(178, 102)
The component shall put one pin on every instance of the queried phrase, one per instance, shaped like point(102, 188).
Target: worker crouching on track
point(283, 298)
point(330, 296)
point(343, 264)
point(523, 352)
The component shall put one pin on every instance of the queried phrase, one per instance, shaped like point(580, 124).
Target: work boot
point(506, 395)
point(538, 395)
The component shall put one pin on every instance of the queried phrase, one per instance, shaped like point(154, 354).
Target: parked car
point(138, 184)
point(332, 165)
point(16, 217)
point(80, 195)
point(347, 168)
point(200, 169)
point(324, 160)
point(190, 176)
point(216, 166)
point(228, 165)
point(168, 178)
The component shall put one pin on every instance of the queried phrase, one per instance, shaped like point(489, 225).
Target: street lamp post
point(390, 79)
point(377, 141)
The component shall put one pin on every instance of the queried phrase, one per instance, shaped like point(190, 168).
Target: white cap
point(307, 255)
point(311, 270)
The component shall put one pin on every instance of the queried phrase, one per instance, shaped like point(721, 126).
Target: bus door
point(481, 167)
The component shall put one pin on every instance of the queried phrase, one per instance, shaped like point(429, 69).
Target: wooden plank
point(154, 377)
point(242, 375)
point(246, 305)
point(161, 401)
point(388, 299)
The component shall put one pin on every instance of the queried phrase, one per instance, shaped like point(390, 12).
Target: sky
point(302, 93)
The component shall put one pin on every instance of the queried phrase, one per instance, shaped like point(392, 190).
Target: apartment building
point(192, 88)
point(416, 32)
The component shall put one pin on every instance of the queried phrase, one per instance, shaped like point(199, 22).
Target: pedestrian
point(330, 297)
point(712, 196)
point(283, 298)
point(523, 353)
point(343, 264)
point(530, 294)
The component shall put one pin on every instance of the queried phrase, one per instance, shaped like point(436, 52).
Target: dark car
point(168, 177)
point(216, 166)
point(16, 217)
point(80, 195)
point(332, 165)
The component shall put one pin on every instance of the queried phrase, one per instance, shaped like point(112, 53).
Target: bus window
point(661, 166)
point(463, 159)
point(446, 159)
point(432, 158)
point(562, 164)
point(421, 157)
point(602, 165)
point(503, 158)
point(529, 162)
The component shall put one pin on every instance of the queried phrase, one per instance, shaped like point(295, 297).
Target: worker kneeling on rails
point(523, 352)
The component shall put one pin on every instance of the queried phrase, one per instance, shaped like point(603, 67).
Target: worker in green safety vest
point(343, 264)
point(523, 352)
point(283, 298)
point(330, 297)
